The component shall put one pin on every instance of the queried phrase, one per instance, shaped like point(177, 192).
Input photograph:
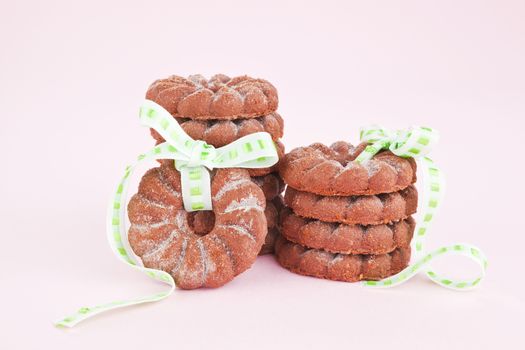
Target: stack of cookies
point(219, 111)
point(343, 220)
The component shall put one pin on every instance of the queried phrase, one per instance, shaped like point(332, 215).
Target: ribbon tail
point(433, 191)
point(423, 263)
point(116, 233)
point(196, 188)
point(87, 312)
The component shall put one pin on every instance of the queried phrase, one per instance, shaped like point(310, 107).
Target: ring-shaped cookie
point(332, 171)
point(346, 239)
point(220, 97)
point(339, 267)
point(160, 233)
point(219, 132)
point(363, 210)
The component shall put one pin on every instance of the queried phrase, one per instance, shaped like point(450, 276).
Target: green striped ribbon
point(417, 142)
point(192, 159)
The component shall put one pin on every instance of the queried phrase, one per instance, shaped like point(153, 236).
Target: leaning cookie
point(220, 97)
point(332, 171)
point(272, 185)
point(346, 239)
point(363, 210)
point(273, 213)
point(222, 132)
point(269, 243)
point(339, 267)
point(161, 235)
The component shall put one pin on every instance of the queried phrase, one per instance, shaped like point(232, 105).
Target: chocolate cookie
point(161, 233)
point(275, 207)
point(339, 267)
point(269, 242)
point(332, 171)
point(220, 97)
point(346, 239)
point(272, 185)
point(363, 210)
point(202, 223)
point(222, 132)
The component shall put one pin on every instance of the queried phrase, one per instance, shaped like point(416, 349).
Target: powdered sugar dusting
point(231, 186)
point(181, 256)
point(161, 247)
point(372, 167)
point(145, 228)
point(167, 186)
point(241, 230)
point(245, 204)
point(182, 222)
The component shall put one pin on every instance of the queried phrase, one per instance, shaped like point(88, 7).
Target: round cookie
point(161, 235)
point(363, 210)
point(222, 132)
point(339, 267)
point(346, 239)
point(332, 171)
point(220, 97)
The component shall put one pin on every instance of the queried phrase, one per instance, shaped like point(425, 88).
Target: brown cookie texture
point(339, 267)
point(219, 133)
point(346, 239)
point(202, 223)
point(364, 210)
point(273, 213)
point(269, 243)
point(272, 185)
point(219, 97)
point(162, 233)
point(332, 171)
point(252, 171)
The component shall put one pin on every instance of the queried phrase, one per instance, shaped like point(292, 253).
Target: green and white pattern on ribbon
point(417, 142)
point(191, 157)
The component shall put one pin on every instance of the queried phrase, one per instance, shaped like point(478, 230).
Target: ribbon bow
point(417, 142)
point(414, 142)
point(193, 158)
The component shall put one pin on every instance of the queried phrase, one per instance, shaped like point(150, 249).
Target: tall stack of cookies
point(344, 220)
point(219, 111)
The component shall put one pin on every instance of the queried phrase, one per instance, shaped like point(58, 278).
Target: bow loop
point(415, 142)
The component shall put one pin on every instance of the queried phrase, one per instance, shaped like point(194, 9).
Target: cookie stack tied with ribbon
point(344, 219)
point(219, 111)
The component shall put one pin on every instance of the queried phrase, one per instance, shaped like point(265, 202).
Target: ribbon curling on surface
point(193, 158)
point(417, 142)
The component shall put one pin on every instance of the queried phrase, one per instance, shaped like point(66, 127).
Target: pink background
point(73, 74)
